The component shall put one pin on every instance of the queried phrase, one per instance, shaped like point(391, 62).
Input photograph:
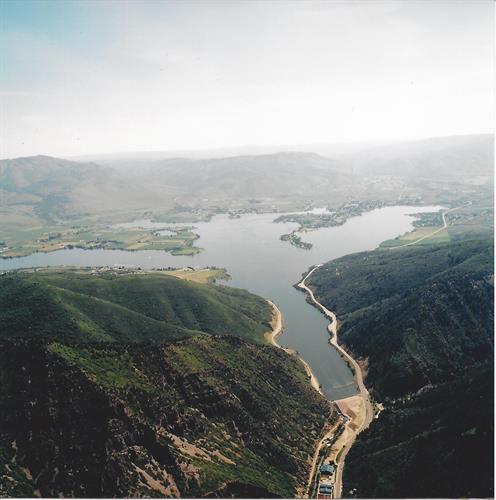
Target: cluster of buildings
point(326, 480)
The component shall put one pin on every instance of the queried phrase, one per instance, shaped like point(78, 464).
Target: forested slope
point(421, 322)
point(417, 314)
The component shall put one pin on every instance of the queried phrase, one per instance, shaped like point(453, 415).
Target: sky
point(94, 76)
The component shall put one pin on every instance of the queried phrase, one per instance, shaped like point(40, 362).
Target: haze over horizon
point(247, 249)
point(85, 78)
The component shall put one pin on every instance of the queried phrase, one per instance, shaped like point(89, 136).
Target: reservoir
point(251, 251)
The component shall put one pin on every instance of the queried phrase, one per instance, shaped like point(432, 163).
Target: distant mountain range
point(88, 188)
point(331, 150)
point(446, 158)
point(57, 187)
point(274, 176)
point(54, 186)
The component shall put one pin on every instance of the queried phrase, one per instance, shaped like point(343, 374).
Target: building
point(327, 469)
point(325, 489)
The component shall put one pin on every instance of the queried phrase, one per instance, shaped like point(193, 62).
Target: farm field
point(418, 233)
point(209, 275)
point(23, 236)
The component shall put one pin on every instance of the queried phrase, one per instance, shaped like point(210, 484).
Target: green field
point(425, 234)
point(22, 235)
point(209, 275)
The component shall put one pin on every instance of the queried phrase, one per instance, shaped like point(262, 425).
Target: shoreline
point(196, 250)
point(183, 251)
point(272, 336)
point(445, 226)
point(357, 409)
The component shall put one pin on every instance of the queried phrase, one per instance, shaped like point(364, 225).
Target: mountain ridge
point(151, 307)
point(420, 321)
point(217, 412)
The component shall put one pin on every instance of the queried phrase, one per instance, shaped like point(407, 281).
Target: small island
point(296, 240)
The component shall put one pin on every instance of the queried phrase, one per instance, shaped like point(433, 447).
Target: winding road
point(358, 410)
point(362, 414)
point(445, 225)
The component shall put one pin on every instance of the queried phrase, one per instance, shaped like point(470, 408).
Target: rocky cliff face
point(209, 416)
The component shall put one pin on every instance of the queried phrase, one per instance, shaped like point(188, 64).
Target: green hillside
point(417, 314)
point(438, 443)
point(146, 385)
point(421, 320)
point(85, 307)
point(204, 416)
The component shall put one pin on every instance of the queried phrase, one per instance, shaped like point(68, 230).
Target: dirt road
point(445, 225)
point(358, 409)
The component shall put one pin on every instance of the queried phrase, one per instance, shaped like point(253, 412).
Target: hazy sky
point(93, 76)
